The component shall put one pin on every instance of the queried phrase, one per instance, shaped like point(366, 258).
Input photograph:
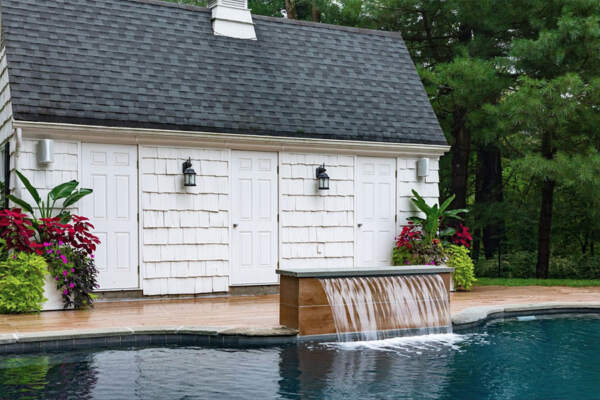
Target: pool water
point(556, 358)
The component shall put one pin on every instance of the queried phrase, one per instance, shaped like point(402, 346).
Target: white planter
point(54, 297)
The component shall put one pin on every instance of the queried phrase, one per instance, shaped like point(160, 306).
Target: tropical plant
point(464, 271)
point(435, 216)
point(67, 192)
point(22, 278)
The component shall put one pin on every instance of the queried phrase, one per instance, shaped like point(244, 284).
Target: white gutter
point(105, 134)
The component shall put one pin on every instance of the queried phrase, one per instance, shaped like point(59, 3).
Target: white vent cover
point(232, 18)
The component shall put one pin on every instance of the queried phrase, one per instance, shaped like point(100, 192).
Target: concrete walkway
point(249, 311)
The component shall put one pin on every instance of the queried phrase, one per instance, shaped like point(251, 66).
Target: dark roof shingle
point(142, 63)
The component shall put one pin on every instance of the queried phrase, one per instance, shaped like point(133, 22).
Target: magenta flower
point(64, 259)
point(49, 251)
point(60, 242)
point(72, 269)
point(91, 255)
point(66, 291)
point(65, 272)
point(71, 285)
point(46, 244)
point(56, 278)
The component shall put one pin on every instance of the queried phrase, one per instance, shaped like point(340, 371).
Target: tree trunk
point(460, 159)
point(290, 8)
point(545, 222)
point(490, 192)
point(545, 226)
point(315, 13)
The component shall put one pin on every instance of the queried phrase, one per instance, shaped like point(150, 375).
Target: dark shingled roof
point(148, 64)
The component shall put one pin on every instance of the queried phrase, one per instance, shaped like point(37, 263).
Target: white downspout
point(18, 145)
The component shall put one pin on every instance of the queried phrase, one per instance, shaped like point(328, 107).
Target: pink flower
point(49, 251)
point(66, 291)
point(72, 269)
point(71, 285)
point(60, 242)
point(46, 244)
point(64, 259)
point(56, 278)
point(65, 272)
point(91, 255)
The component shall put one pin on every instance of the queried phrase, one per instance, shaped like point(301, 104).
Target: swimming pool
point(552, 358)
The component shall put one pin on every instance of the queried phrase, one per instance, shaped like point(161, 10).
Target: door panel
point(111, 171)
point(254, 216)
point(376, 210)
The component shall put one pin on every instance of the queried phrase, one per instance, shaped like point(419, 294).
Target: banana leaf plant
point(67, 192)
point(435, 216)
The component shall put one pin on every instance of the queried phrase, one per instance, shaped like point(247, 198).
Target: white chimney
point(232, 18)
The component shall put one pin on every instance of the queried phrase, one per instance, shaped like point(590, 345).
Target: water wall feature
point(366, 303)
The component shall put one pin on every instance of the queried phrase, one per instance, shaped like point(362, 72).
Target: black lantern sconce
point(323, 178)
point(189, 175)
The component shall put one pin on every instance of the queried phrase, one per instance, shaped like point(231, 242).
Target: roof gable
point(141, 63)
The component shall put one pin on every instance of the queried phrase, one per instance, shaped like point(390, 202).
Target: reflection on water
point(539, 359)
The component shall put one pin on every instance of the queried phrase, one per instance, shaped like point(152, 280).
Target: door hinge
point(396, 173)
point(138, 217)
point(278, 170)
point(396, 217)
point(277, 217)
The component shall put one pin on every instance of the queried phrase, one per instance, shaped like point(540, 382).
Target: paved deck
point(250, 311)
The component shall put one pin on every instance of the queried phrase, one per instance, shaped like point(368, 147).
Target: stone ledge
point(474, 316)
point(336, 272)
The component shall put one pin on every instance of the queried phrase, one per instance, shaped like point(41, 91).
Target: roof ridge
point(365, 31)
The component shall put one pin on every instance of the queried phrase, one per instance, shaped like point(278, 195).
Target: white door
point(111, 171)
point(254, 218)
point(376, 210)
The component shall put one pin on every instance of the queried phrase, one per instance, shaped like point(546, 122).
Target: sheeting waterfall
point(372, 308)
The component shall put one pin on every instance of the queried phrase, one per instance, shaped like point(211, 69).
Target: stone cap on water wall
point(340, 272)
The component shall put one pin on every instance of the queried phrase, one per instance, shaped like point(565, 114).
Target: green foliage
point(67, 192)
point(521, 264)
point(464, 271)
point(435, 216)
point(22, 278)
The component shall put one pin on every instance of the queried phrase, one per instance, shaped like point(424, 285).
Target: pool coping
point(466, 319)
point(473, 317)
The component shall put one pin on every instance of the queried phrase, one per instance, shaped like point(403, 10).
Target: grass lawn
point(536, 282)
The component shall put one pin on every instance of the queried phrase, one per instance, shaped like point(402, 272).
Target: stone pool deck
point(247, 316)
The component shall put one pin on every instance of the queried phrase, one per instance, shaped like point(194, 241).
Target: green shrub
point(464, 271)
point(519, 264)
point(22, 278)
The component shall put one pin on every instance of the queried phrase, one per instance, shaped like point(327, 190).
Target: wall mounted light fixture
point(189, 175)
point(323, 178)
point(422, 167)
point(45, 153)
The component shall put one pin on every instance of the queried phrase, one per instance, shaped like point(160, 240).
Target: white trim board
point(118, 135)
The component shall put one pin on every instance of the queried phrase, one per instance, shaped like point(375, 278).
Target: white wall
point(65, 168)
point(316, 227)
point(185, 232)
